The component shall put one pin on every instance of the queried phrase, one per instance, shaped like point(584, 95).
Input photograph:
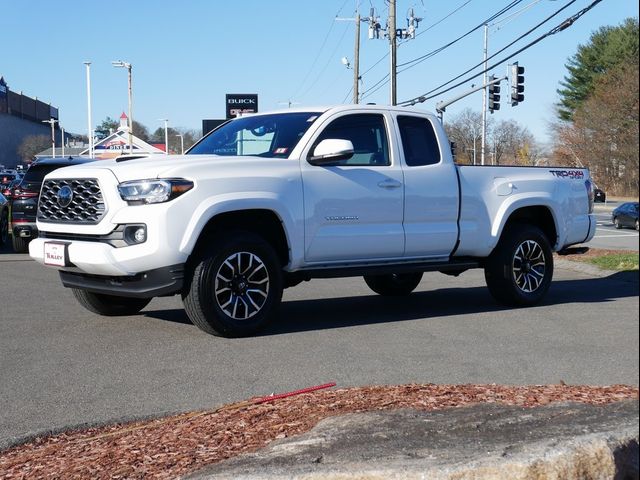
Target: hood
point(173, 166)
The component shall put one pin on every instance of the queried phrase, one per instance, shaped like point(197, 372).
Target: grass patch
point(616, 261)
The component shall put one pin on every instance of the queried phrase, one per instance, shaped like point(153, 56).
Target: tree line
point(597, 124)
point(596, 118)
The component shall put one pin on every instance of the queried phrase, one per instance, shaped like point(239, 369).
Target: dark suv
point(24, 199)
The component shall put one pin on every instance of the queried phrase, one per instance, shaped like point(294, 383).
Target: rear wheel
point(519, 270)
point(109, 305)
point(236, 286)
point(637, 226)
point(395, 284)
point(20, 245)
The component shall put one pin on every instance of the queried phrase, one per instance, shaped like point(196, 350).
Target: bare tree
point(465, 129)
point(31, 145)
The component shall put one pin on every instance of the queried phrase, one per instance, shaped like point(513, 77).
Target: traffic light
point(494, 94)
point(517, 84)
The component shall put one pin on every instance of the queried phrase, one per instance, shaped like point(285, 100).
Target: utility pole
point(392, 34)
point(356, 52)
point(484, 96)
point(356, 61)
point(392, 41)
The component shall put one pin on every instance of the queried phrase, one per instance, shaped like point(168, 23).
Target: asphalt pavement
point(61, 365)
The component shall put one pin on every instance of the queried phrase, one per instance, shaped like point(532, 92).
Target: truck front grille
point(80, 203)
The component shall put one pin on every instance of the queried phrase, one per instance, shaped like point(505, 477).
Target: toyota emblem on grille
point(65, 196)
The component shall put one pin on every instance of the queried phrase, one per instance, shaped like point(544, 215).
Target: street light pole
point(62, 138)
point(181, 143)
point(166, 135)
point(484, 97)
point(89, 121)
point(128, 66)
point(52, 121)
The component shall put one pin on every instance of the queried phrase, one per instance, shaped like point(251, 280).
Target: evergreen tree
point(608, 48)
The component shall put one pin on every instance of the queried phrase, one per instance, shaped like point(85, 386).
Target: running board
point(360, 270)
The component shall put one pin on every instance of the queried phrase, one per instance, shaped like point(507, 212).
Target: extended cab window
point(272, 136)
point(419, 141)
point(367, 133)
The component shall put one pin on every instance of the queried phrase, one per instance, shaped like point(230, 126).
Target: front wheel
point(616, 223)
point(109, 305)
point(395, 284)
point(519, 270)
point(236, 286)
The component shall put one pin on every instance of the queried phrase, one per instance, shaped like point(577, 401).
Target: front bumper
point(154, 283)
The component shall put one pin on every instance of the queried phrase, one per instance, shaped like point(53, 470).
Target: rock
point(484, 441)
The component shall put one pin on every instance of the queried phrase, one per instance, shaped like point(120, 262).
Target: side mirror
point(331, 150)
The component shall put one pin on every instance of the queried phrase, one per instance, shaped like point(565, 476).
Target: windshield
point(271, 136)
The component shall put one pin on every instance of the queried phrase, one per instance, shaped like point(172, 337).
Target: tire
point(617, 223)
point(109, 305)
point(4, 228)
point(637, 226)
point(395, 284)
point(20, 245)
point(236, 286)
point(519, 270)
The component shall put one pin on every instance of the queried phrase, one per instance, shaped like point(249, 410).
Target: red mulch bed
point(177, 445)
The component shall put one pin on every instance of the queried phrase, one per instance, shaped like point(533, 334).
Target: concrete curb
point(487, 441)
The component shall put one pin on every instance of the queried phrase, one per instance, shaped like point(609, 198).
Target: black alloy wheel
point(235, 286)
point(519, 270)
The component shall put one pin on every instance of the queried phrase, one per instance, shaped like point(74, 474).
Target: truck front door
point(353, 209)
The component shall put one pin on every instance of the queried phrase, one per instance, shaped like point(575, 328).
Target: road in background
point(61, 365)
point(607, 236)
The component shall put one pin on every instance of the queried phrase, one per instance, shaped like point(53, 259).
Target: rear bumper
point(154, 283)
point(24, 229)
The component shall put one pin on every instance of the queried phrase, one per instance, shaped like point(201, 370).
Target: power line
point(331, 57)
point(440, 49)
point(500, 12)
point(315, 60)
point(560, 27)
point(421, 32)
point(557, 12)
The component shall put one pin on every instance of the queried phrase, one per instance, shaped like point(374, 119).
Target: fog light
point(135, 234)
point(140, 235)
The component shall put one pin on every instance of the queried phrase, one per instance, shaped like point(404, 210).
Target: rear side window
point(419, 141)
point(367, 133)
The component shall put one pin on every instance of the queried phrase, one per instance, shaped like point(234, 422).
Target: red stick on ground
point(269, 398)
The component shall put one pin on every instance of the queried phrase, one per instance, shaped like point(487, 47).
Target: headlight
point(142, 192)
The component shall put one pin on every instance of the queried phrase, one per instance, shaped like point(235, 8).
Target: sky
point(187, 55)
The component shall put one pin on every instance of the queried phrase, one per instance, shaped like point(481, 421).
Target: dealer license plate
point(55, 254)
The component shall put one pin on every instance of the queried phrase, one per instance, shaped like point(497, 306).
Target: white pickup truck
point(269, 200)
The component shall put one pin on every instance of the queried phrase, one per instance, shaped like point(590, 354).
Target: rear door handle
point(389, 183)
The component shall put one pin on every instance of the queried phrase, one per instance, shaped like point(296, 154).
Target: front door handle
point(389, 183)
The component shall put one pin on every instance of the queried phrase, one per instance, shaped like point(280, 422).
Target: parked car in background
point(6, 178)
point(7, 190)
point(626, 215)
point(4, 220)
point(24, 199)
point(599, 195)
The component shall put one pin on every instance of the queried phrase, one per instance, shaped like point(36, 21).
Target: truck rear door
point(431, 187)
